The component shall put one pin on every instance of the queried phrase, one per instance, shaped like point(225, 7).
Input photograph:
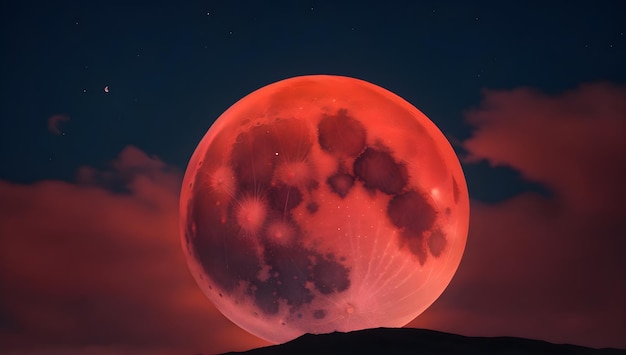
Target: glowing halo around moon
point(323, 203)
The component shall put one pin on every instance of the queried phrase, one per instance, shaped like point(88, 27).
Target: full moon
point(323, 203)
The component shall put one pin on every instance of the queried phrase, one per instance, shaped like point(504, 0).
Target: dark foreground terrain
point(419, 341)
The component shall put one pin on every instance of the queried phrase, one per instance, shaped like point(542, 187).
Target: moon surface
point(323, 203)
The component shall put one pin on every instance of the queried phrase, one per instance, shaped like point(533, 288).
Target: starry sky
point(103, 104)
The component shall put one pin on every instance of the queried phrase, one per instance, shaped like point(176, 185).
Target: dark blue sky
point(173, 67)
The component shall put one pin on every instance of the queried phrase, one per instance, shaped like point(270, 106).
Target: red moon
point(323, 203)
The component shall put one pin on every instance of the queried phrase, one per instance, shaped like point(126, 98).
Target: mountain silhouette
point(419, 341)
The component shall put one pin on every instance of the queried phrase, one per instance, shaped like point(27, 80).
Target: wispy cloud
point(89, 265)
point(55, 122)
point(546, 267)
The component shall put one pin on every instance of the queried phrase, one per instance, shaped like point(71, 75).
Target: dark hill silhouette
point(419, 341)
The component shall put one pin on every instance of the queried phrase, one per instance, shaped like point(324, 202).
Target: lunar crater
point(289, 217)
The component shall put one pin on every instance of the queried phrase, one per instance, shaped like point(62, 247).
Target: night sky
point(104, 103)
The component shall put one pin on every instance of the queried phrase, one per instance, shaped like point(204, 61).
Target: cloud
point(97, 266)
point(573, 143)
point(54, 123)
point(546, 267)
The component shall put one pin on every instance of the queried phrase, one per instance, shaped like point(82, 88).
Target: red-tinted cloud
point(54, 123)
point(96, 266)
point(85, 269)
point(546, 267)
